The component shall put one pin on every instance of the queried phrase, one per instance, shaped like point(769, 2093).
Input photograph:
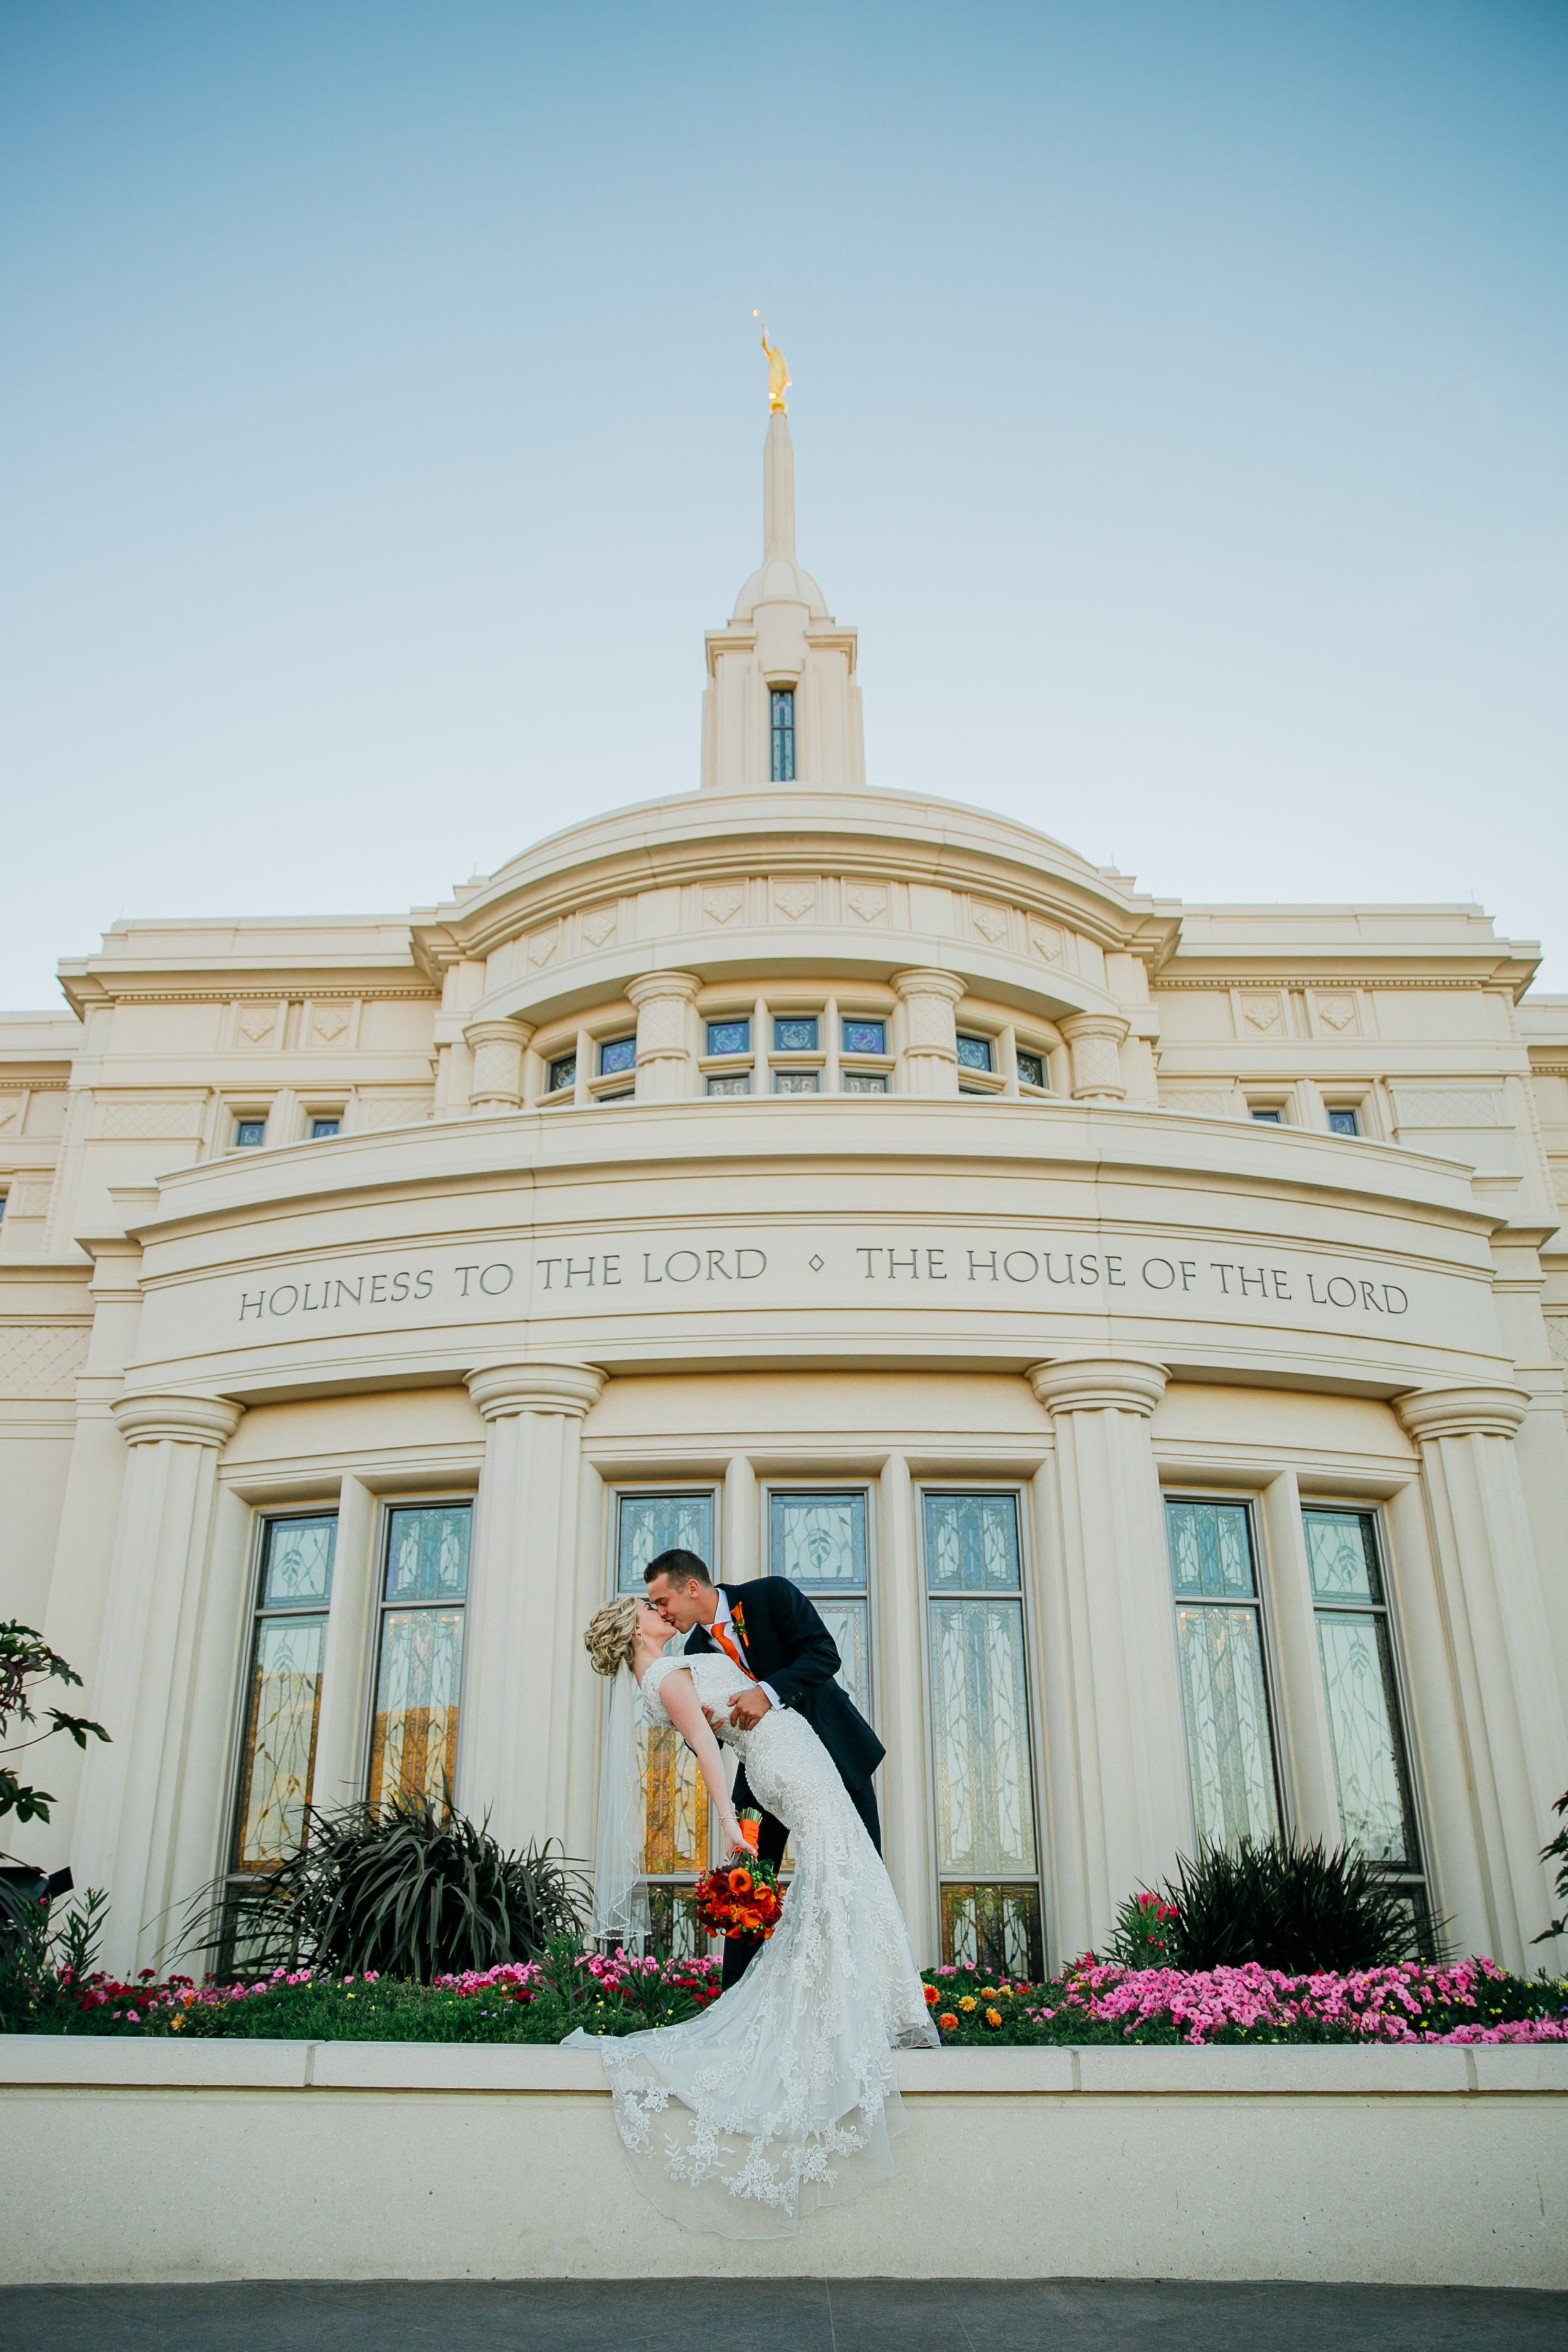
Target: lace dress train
point(782, 2097)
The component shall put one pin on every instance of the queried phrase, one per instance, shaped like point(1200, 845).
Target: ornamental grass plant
point(1278, 1906)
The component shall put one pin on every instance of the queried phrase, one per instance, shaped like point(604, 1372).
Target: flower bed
point(1091, 2003)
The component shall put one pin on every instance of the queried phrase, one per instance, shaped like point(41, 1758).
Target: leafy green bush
point(409, 1889)
point(1287, 1906)
point(1557, 1852)
point(47, 1953)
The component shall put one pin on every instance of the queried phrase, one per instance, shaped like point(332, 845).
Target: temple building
point(1140, 1326)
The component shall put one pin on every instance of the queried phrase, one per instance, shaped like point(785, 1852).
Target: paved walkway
point(778, 2315)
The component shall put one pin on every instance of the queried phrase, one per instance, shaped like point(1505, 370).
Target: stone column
point(664, 1052)
point(931, 1055)
point(1510, 1708)
point(521, 1671)
point(1095, 1039)
point(497, 1047)
point(1120, 1800)
point(144, 1691)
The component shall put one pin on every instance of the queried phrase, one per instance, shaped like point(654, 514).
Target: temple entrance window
point(284, 1704)
point(987, 1853)
point(1224, 1684)
point(419, 1653)
point(678, 1833)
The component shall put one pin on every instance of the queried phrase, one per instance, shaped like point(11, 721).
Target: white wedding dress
point(780, 2096)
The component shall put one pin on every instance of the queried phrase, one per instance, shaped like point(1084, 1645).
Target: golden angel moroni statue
point(779, 377)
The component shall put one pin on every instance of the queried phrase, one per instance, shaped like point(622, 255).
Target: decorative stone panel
point(178, 1120)
point(867, 901)
point(42, 1360)
point(723, 904)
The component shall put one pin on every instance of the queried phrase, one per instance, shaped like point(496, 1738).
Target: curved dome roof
point(781, 580)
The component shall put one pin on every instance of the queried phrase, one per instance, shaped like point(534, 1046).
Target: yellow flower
point(177, 2025)
point(967, 2003)
point(987, 1992)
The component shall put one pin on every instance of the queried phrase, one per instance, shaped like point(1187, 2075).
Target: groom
point(773, 1632)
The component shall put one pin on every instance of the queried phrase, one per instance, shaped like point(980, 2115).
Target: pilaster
point(497, 1047)
point(664, 1044)
point(1126, 1814)
point(515, 1744)
point(144, 1691)
point(1096, 1041)
point(1500, 1654)
point(931, 1051)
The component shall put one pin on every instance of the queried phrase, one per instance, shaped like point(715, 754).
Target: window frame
point(781, 734)
point(1421, 1878)
point(1273, 1678)
point(1020, 1492)
point(868, 1490)
point(647, 1489)
point(240, 1119)
point(386, 1507)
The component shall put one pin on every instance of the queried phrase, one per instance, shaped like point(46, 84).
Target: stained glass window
point(419, 1665)
point(797, 1082)
point(678, 1809)
point(728, 1036)
point(865, 1081)
point(783, 717)
point(1031, 1069)
point(741, 1084)
point(284, 1699)
point(322, 1128)
point(650, 1524)
point(865, 1037)
point(1219, 1645)
point(1344, 1122)
point(1370, 1767)
point(617, 1054)
point(818, 1541)
point(250, 1134)
point(975, 1053)
point(562, 1073)
point(796, 1035)
point(986, 1851)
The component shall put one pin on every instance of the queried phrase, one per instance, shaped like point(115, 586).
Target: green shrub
point(410, 1889)
point(1287, 1906)
point(1557, 1852)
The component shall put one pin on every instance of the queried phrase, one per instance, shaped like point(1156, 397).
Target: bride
point(780, 2096)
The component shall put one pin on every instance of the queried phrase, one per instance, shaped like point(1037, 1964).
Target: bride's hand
point(735, 1839)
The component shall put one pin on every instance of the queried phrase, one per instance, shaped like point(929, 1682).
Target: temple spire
point(778, 490)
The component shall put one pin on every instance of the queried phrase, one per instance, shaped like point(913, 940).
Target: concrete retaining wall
point(149, 2160)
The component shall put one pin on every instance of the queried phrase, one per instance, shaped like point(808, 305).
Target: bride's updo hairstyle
point(612, 1636)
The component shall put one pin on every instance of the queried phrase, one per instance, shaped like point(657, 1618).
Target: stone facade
point(801, 1139)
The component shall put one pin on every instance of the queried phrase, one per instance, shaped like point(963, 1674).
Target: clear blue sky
point(1180, 413)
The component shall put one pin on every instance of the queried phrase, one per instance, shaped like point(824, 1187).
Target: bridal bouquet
point(740, 1898)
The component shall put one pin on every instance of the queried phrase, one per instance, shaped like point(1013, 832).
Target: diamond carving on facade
point(257, 1021)
point(8, 1109)
point(330, 1022)
point(598, 926)
point(1337, 1012)
point(723, 906)
point(542, 946)
point(1262, 1012)
point(42, 1362)
point(817, 1264)
point(1046, 940)
point(991, 922)
point(868, 902)
point(794, 899)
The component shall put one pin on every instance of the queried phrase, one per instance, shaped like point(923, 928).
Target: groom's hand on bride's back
point(748, 1707)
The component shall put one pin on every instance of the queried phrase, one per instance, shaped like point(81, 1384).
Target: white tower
point(782, 706)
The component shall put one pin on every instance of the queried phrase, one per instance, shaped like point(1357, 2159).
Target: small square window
point(321, 1128)
point(728, 1036)
point(865, 1037)
point(622, 1093)
point(617, 1054)
point(741, 1084)
point(797, 1082)
point(797, 1036)
point(250, 1134)
point(978, 1093)
point(1267, 1118)
point(975, 1053)
point(865, 1081)
point(1031, 1069)
point(564, 1073)
point(1344, 1122)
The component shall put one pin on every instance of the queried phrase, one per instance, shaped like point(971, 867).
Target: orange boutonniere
point(738, 1619)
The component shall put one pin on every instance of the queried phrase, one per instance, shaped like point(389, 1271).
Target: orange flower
point(948, 2022)
point(740, 1882)
point(993, 2017)
point(932, 1996)
point(968, 2003)
point(751, 1831)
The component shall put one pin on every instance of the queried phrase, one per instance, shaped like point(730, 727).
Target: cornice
point(1478, 1411)
point(186, 1420)
point(1099, 1384)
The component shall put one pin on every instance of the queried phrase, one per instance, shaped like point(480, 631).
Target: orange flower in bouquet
point(739, 1898)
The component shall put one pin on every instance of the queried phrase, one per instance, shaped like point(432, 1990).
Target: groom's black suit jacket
point(787, 1645)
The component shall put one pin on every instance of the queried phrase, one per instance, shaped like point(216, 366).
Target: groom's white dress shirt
point(726, 1616)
